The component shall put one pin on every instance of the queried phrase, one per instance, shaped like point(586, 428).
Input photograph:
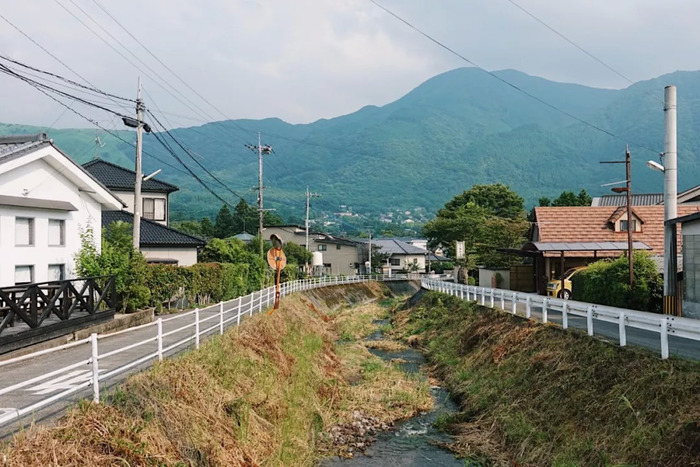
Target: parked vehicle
point(554, 287)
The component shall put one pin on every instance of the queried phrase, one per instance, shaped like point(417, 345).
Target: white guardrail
point(662, 324)
point(228, 314)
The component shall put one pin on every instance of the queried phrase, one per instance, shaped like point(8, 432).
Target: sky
point(303, 60)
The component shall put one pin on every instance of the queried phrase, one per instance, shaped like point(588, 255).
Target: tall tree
point(224, 226)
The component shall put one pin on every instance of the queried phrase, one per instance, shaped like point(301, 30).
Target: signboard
point(459, 250)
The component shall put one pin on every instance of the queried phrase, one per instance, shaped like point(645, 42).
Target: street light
point(656, 166)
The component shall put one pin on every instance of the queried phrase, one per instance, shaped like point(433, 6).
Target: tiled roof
point(13, 146)
point(590, 224)
point(641, 199)
point(116, 177)
point(397, 247)
point(152, 233)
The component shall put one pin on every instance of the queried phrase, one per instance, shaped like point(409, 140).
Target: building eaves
point(116, 177)
point(153, 234)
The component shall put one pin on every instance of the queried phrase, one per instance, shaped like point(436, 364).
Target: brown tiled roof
point(590, 224)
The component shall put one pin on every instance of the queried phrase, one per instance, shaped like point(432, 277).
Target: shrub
point(606, 282)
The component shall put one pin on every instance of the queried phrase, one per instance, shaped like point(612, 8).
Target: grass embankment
point(261, 394)
point(533, 394)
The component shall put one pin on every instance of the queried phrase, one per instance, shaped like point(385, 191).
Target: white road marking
point(67, 381)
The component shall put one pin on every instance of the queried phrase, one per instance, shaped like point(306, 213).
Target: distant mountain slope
point(456, 129)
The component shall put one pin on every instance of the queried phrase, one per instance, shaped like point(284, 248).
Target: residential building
point(575, 236)
point(340, 255)
point(159, 243)
point(690, 285)
point(401, 256)
point(689, 196)
point(46, 202)
point(154, 193)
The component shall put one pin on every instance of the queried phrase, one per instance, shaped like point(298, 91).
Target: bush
point(606, 282)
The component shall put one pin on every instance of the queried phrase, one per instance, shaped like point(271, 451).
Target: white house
point(401, 256)
point(46, 201)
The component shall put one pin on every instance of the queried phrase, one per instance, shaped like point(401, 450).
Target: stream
point(410, 442)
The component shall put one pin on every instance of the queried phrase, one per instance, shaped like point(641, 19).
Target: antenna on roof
point(98, 144)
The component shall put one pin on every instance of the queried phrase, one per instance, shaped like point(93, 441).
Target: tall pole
point(630, 250)
point(370, 252)
point(670, 200)
point(261, 213)
point(139, 174)
point(309, 195)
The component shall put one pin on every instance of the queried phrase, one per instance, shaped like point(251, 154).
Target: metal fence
point(509, 300)
point(221, 316)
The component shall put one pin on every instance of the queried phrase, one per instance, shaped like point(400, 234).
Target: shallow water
point(410, 442)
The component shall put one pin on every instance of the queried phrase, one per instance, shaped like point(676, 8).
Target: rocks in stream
point(351, 438)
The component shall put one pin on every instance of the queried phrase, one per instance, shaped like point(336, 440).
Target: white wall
point(128, 198)
point(407, 260)
point(184, 256)
point(43, 182)
point(485, 276)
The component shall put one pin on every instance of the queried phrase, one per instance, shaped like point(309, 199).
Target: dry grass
point(259, 395)
point(385, 344)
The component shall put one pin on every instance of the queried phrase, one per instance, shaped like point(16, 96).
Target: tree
point(206, 227)
point(224, 226)
point(485, 217)
point(296, 253)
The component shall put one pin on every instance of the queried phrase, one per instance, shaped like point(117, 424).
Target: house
point(689, 196)
point(46, 202)
point(154, 193)
point(690, 289)
point(340, 255)
point(401, 256)
point(159, 243)
point(575, 236)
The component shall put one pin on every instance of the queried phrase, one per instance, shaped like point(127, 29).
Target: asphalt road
point(38, 368)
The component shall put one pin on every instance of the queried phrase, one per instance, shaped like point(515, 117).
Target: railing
point(663, 325)
point(33, 304)
point(220, 316)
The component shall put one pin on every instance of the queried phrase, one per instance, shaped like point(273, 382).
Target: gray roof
point(587, 246)
point(244, 237)
point(116, 177)
point(153, 234)
point(641, 199)
point(17, 145)
point(397, 247)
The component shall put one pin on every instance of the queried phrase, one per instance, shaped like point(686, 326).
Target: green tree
point(206, 228)
point(224, 226)
point(296, 253)
point(485, 217)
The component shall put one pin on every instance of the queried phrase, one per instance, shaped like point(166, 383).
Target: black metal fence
point(34, 304)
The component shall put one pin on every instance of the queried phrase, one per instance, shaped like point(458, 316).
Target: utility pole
point(139, 175)
point(261, 150)
point(628, 190)
point(370, 253)
point(670, 202)
point(309, 195)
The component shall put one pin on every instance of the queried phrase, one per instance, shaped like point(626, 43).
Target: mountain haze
point(457, 129)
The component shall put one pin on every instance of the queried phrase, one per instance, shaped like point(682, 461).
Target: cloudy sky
point(302, 60)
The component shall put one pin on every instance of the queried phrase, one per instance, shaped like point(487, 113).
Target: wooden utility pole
point(628, 191)
point(138, 204)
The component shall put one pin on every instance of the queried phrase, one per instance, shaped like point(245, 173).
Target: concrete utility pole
point(261, 150)
point(139, 175)
point(370, 252)
point(309, 195)
point(670, 200)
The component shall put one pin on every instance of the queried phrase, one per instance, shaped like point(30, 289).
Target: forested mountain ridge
point(457, 129)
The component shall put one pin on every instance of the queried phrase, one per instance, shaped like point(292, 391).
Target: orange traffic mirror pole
point(277, 261)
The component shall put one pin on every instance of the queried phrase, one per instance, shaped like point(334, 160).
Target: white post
point(515, 302)
point(491, 297)
point(238, 313)
point(95, 369)
point(664, 338)
point(544, 310)
point(221, 318)
point(623, 330)
point(589, 320)
point(251, 304)
point(528, 307)
point(503, 300)
point(483, 296)
point(461, 293)
point(196, 328)
point(670, 195)
point(159, 327)
point(565, 316)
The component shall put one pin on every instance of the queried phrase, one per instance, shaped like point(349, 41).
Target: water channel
point(411, 442)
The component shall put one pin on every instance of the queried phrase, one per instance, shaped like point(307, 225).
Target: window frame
point(31, 231)
point(62, 240)
point(62, 268)
point(322, 247)
point(397, 263)
point(153, 200)
point(31, 273)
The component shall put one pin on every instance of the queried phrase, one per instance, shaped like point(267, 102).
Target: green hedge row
point(606, 282)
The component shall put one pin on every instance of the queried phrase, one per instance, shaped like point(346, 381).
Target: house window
point(154, 209)
point(24, 274)
point(415, 260)
point(337, 247)
point(395, 261)
point(57, 272)
point(322, 247)
point(24, 231)
point(57, 232)
point(623, 225)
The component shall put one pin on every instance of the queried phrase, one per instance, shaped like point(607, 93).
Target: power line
point(504, 81)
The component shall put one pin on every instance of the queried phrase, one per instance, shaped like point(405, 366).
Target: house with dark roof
point(159, 243)
point(401, 256)
point(46, 202)
point(339, 255)
point(689, 196)
point(154, 193)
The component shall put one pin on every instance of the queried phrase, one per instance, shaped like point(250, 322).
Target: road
point(50, 380)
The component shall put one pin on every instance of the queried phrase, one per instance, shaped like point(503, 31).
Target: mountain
point(457, 129)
